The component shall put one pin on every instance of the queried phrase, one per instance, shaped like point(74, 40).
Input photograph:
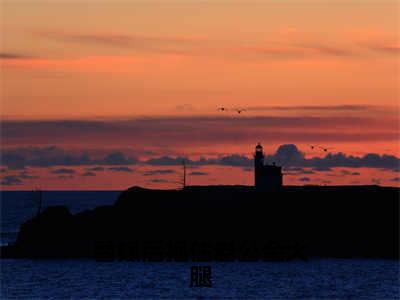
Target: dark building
point(266, 177)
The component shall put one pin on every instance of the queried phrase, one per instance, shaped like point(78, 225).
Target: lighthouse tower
point(266, 177)
point(258, 165)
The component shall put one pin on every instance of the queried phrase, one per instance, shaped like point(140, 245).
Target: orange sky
point(129, 58)
point(118, 60)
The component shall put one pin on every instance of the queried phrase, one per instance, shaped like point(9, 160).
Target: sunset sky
point(110, 94)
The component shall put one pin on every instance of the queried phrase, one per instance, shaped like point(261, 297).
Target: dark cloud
point(11, 180)
point(158, 44)
point(297, 171)
point(198, 173)
point(385, 48)
point(3, 170)
point(63, 171)
point(121, 169)
point(312, 108)
point(326, 50)
point(168, 161)
point(19, 158)
point(287, 155)
point(396, 179)
point(158, 180)
point(66, 176)
point(95, 169)
point(158, 172)
point(17, 179)
point(88, 174)
point(294, 51)
point(322, 169)
point(118, 158)
point(233, 160)
point(9, 55)
point(346, 172)
point(201, 130)
point(13, 160)
point(25, 175)
point(305, 179)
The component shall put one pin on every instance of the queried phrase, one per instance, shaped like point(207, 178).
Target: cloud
point(326, 50)
point(121, 169)
point(95, 169)
point(13, 56)
point(167, 161)
point(118, 158)
point(19, 158)
point(297, 171)
point(294, 50)
point(158, 172)
point(287, 155)
point(157, 44)
point(11, 180)
point(13, 160)
point(63, 171)
point(396, 179)
point(198, 173)
point(312, 108)
point(305, 179)
point(17, 179)
point(25, 175)
point(157, 180)
point(89, 174)
point(65, 176)
point(385, 48)
point(346, 172)
point(162, 131)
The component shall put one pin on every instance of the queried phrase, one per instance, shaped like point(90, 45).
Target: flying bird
point(222, 108)
point(313, 146)
point(325, 149)
point(239, 111)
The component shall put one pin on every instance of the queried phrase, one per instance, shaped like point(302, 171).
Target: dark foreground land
point(222, 223)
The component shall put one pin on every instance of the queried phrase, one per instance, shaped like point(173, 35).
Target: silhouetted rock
point(221, 223)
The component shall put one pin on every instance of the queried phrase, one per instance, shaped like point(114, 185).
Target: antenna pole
point(184, 173)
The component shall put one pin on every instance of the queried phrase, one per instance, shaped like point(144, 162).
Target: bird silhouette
point(239, 111)
point(313, 146)
point(222, 108)
point(325, 149)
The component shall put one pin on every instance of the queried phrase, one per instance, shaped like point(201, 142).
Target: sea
point(318, 278)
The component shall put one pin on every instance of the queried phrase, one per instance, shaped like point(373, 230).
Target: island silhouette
point(267, 221)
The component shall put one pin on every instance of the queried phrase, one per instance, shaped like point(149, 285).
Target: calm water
point(325, 278)
point(318, 278)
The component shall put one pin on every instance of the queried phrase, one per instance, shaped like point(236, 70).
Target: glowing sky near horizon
point(146, 78)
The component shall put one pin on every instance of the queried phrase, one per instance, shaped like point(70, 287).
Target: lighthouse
point(267, 178)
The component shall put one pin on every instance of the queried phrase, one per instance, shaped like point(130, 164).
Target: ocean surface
point(61, 279)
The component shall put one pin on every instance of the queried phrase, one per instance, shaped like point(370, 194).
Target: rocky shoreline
point(220, 223)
